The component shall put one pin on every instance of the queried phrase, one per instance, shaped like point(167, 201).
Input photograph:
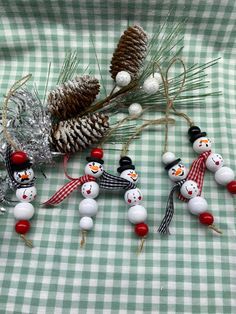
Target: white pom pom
point(150, 86)
point(157, 76)
point(197, 205)
point(135, 109)
point(168, 157)
point(137, 214)
point(86, 223)
point(224, 175)
point(123, 78)
point(88, 207)
point(23, 211)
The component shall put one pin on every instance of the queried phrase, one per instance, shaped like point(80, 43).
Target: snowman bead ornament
point(23, 176)
point(137, 214)
point(88, 207)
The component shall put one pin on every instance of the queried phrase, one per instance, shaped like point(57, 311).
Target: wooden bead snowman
point(137, 214)
point(88, 207)
point(177, 173)
point(26, 192)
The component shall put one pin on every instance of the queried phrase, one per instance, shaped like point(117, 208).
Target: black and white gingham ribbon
point(164, 226)
point(111, 182)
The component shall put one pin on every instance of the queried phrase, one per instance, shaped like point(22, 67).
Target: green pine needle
point(69, 68)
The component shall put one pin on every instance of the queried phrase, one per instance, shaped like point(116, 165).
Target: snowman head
point(189, 189)
point(214, 162)
point(202, 144)
point(177, 172)
point(133, 197)
point(90, 189)
point(130, 175)
point(24, 176)
point(94, 169)
point(26, 194)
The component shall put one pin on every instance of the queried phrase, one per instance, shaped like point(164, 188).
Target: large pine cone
point(76, 134)
point(73, 97)
point(130, 52)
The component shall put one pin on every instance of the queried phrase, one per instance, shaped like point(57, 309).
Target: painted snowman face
point(24, 176)
point(26, 194)
point(130, 175)
point(189, 189)
point(201, 145)
point(90, 189)
point(133, 197)
point(178, 172)
point(214, 162)
point(94, 169)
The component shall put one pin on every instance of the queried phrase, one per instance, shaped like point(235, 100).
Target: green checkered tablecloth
point(191, 271)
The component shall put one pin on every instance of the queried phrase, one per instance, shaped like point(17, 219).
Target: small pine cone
point(72, 97)
point(76, 134)
point(130, 52)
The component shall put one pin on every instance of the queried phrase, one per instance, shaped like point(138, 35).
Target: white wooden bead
point(133, 197)
point(94, 169)
point(26, 194)
point(214, 162)
point(178, 172)
point(137, 214)
point(224, 175)
point(201, 145)
point(197, 205)
point(130, 175)
point(24, 176)
point(88, 207)
point(135, 109)
point(189, 189)
point(86, 223)
point(150, 86)
point(90, 189)
point(123, 78)
point(23, 211)
point(168, 157)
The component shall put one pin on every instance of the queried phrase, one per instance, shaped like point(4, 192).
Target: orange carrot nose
point(25, 176)
point(133, 175)
point(204, 141)
point(178, 172)
point(94, 168)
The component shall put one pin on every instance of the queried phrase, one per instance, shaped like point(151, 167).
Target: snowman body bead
point(86, 223)
point(23, 211)
point(90, 189)
point(133, 197)
point(189, 189)
point(26, 194)
point(224, 175)
point(137, 214)
point(197, 205)
point(214, 162)
point(88, 207)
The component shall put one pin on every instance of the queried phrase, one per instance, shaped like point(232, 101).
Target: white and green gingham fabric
point(191, 271)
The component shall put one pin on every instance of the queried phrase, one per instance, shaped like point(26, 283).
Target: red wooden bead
point(206, 218)
point(18, 157)
point(141, 229)
point(22, 226)
point(231, 186)
point(97, 153)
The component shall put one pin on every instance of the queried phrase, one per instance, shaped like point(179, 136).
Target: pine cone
point(72, 97)
point(76, 134)
point(130, 52)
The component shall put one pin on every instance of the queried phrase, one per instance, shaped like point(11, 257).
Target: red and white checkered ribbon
point(67, 189)
point(196, 172)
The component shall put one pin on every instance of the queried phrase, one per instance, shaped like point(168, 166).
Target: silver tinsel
point(29, 125)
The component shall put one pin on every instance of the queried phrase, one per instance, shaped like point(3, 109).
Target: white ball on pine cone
point(137, 214)
point(197, 205)
point(168, 157)
point(88, 207)
point(123, 78)
point(86, 223)
point(151, 86)
point(224, 175)
point(135, 109)
point(158, 77)
point(23, 211)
